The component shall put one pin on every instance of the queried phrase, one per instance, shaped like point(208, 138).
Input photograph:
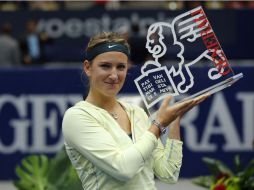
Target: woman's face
point(107, 73)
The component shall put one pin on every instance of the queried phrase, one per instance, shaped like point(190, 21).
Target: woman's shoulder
point(82, 107)
point(83, 112)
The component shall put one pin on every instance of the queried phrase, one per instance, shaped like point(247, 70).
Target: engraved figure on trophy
point(193, 27)
point(188, 31)
point(160, 37)
point(193, 31)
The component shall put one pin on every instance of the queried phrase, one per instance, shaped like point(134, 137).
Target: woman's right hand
point(167, 114)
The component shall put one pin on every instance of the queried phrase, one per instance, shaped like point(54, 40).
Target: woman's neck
point(107, 103)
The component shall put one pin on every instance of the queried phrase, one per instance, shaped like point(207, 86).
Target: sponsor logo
point(111, 46)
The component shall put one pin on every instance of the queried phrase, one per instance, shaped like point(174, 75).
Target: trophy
point(187, 32)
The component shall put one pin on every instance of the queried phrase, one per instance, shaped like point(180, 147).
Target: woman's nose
point(113, 75)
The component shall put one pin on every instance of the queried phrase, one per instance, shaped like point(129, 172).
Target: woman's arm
point(168, 159)
point(96, 144)
point(174, 130)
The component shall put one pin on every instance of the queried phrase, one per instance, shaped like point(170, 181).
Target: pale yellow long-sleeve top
point(106, 158)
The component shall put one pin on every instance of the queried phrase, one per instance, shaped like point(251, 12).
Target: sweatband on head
point(106, 47)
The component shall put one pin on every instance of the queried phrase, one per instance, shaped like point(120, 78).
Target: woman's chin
point(111, 93)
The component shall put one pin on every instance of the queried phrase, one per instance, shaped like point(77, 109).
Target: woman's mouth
point(111, 83)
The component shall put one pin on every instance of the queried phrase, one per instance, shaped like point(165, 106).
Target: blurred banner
point(70, 30)
point(33, 101)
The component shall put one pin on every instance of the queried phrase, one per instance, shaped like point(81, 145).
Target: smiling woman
point(111, 143)
point(106, 74)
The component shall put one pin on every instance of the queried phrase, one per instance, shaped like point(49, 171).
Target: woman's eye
point(105, 66)
point(121, 67)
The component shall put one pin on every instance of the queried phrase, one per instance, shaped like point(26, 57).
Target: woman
point(112, 144)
